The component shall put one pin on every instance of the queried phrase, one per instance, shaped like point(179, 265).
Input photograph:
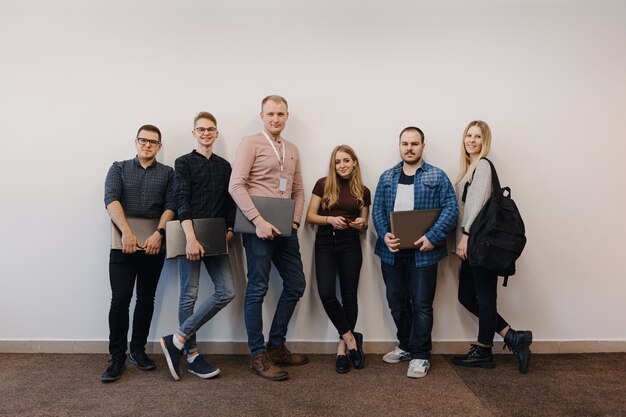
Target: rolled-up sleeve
point(113, 184)
point(244, 159)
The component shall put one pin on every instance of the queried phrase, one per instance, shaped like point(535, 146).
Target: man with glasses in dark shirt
point(136, 188)
point(201, 183)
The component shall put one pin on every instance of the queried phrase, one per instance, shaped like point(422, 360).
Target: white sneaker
point(418, 368)
point(396, 355)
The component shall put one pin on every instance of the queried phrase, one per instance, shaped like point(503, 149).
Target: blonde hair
point(467, 165)
point(276, 99)
point(330, 199)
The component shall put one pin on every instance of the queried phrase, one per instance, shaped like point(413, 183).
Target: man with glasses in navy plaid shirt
point(201, 192)
point(139, 187)
point(410, 275)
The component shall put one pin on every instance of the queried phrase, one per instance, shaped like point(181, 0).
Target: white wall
point(78, 78)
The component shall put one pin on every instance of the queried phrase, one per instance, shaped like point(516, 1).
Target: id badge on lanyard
point(282, 184)
point(282, 180)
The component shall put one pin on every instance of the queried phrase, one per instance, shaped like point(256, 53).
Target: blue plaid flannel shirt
point(432, 190)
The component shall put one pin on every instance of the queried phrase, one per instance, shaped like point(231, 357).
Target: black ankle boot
point(518, 342)
point(477, 357)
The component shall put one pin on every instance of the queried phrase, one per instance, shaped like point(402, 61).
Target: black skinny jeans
point(478, 293)
point(338, 252)
point(124, 270)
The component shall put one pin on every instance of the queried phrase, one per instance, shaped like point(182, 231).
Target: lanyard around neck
point(281, 162)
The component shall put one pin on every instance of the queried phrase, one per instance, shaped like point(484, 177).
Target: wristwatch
point(161, 231)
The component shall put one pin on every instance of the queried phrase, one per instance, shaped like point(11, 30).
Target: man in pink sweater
point(266, 165)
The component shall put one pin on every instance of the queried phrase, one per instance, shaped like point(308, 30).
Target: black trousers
point(124, 271)
point(338, 252)
point(478, 293)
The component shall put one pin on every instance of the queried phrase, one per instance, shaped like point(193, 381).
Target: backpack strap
point(495, 185)
point(495, 181)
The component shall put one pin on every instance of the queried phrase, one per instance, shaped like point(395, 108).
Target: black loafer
point(342, 364)
point(357, 356)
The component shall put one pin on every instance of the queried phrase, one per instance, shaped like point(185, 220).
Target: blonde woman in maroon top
point(339, 207)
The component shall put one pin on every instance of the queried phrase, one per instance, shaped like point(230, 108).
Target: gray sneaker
point(418, 368)
point(397, 355)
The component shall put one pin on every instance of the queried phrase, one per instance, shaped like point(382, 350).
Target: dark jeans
point(124, 270)
point(284, 252)
point(478, 293)
point(410, 295)
point(338, 252)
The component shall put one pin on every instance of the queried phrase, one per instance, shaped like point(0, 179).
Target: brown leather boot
point(281, 356)
point(264, 367)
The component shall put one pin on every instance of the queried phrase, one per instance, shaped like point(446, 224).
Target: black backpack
point(497, 236)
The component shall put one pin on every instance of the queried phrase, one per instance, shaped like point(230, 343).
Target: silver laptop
point(142, 228)
point(278, 211)
point(410, 225)
point(211, 233)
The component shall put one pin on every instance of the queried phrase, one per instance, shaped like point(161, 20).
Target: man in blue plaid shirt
point(410, 275)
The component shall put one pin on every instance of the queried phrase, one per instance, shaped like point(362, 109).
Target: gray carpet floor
point(556, 385)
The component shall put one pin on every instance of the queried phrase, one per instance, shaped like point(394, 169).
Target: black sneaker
point(518, 342)
point(114, 370)
point(477, 357)
point(202, 368)
point(172, 355)
point(141, 361)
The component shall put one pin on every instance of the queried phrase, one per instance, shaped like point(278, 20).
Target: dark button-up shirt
point(141, 192)
point(202, 188)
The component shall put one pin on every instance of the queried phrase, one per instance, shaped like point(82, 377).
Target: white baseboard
point(241, 348)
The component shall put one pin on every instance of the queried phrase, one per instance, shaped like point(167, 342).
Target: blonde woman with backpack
point(478, 286)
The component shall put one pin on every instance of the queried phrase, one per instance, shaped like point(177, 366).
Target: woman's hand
point(358, 223)
point(461, 249)
point(337, 222)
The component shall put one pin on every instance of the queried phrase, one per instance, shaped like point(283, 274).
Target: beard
point(413, 162)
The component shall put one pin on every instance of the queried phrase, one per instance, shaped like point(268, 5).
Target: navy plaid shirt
point(141, 192)
point(432, 190)
point(201, 185)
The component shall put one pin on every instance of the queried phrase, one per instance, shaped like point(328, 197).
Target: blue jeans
point(284, 252)
point(410, 295)
point(218, 268)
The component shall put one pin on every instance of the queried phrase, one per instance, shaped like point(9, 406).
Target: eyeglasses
point(144, 141)
point(201, 130)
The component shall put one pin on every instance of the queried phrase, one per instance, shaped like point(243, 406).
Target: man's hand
point(152, 245)
point(194, 250)
point(266, 230)
point(358, 223)
point(426, 245)
point(129, 242)
point(392, 242)
point(230, 235)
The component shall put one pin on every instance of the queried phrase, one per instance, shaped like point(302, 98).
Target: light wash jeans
point(218, 268)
